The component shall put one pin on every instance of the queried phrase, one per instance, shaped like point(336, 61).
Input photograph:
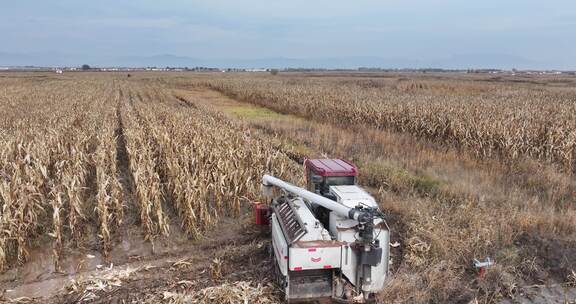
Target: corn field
point(503, 120)
point(79, 154)
point(89, 160)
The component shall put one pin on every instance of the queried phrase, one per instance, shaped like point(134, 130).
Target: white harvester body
point(321, 247)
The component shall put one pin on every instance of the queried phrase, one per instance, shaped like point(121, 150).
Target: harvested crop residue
point(227, 267)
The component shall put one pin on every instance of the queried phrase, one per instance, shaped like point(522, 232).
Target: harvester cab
point(323, 173)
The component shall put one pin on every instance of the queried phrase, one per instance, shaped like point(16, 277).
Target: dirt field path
point(237, 253)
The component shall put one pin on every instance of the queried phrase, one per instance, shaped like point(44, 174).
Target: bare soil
point(135, 271)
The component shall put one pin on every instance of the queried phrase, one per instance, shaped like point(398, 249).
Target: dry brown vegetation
point(465, 167)
point(52, 140)
point(448, 203)
point(485, 119)
point(61, 175)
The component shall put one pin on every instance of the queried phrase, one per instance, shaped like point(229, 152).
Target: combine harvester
point(330, 240)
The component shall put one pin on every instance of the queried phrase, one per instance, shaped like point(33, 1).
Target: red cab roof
point(331, 167)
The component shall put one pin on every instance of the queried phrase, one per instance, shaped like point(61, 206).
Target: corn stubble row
point(60, 175)
point(487, 119)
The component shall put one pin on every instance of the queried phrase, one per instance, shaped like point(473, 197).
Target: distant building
point(256, 70)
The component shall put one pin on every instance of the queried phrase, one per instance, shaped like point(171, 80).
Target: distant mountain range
point(461, 61)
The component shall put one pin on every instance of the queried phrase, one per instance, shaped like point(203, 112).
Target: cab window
point(340, 180)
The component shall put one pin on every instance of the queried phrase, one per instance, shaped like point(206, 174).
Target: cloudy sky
point(538, 31)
